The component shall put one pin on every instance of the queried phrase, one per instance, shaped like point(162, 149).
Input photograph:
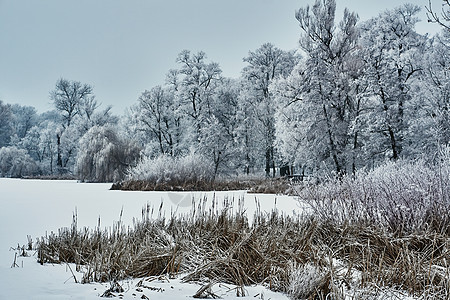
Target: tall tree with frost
point(248, 142)
point(24, 118)
point(154, 117)
point(215, 145)
point(392, 54)
point(40, 142)
point(68, 97)
point(321, 90)
point(428, 111)
point(264, 65)
point(47, 147)
point(218, 132)
point(77, 107)
point(194, 84)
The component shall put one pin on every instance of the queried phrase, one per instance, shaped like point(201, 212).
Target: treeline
point(354, 95)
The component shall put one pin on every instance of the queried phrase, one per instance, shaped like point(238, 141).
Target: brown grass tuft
point(302, 255)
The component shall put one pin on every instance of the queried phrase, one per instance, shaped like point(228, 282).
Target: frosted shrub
point(15, 162)
point(305, 281)
point(195, 167)
point(401, 196)
point(153, 170)
point(164, 169)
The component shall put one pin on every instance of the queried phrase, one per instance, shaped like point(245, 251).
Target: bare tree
point(70, 96)
point(154, 116)
point(444, 18)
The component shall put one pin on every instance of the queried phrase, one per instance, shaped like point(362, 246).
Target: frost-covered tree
point(40, 141)
point(248, 143)
point(70, 98)
point(263, 66)
point(318, 101)
point(24, 118)
point(5, 124)
point(104, 155)
point(15, 162)
point(194, 84)
point(67, 145)
point(77, 108)
point(293, 128)
point(327, 86)
point(217, 145)
point(427, 113)
point(47, 147)
point(155, 120)
point(218, 132)
point(393, 52)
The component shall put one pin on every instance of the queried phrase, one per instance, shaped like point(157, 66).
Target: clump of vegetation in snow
point(252, 185)
point(193, 173)
point(190, 169)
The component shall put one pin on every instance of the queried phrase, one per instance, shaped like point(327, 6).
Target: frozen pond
point(34, 207)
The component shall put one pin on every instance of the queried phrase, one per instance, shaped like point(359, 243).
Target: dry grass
point(301, 255)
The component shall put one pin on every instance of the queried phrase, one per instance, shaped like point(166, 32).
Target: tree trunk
point(332, 144)
point(58, 144)
point(216, 165)
point(268, 162)
point(273, 163)
point(393, 143)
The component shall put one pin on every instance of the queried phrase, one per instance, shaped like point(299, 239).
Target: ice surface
point(35, 207)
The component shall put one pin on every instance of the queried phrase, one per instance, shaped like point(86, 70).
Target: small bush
point(307, 281)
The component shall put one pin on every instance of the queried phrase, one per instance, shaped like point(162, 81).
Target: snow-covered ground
point(35, 207)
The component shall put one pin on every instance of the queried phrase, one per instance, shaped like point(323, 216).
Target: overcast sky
point(125, 47)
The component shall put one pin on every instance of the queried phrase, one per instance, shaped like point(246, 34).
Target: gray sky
point(125, 47)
